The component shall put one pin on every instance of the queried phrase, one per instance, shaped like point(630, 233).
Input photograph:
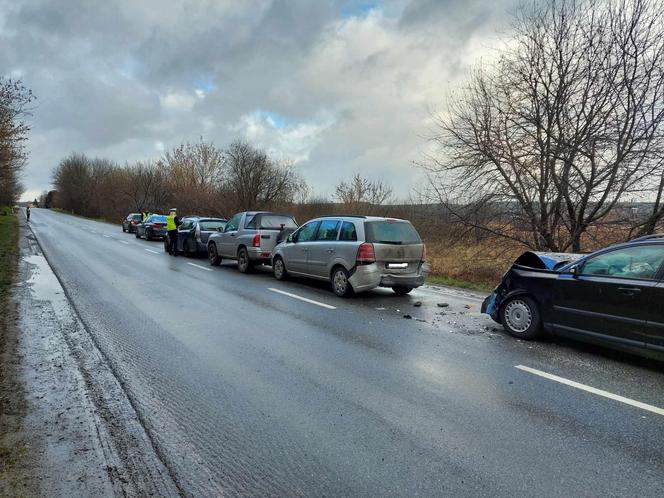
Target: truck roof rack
point(648, 237)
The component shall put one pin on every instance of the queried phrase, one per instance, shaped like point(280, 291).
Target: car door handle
point(629, 291)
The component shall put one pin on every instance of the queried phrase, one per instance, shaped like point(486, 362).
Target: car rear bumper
point(157, 232)
point(366, 277)
point(256, 254)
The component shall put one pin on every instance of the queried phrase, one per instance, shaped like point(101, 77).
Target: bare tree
point(15, 99)
point(255, 181)
point(543, 145)
point(361, 192)
point(145, 187)
point(195, 175)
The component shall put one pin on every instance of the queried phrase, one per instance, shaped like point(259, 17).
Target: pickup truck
point(249, 237)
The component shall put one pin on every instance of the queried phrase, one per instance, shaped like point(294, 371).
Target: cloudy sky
point(338, 86)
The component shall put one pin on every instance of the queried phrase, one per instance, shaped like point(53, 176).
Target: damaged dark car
point(613, 296)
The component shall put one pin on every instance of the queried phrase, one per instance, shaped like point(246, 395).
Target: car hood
point(546, 260)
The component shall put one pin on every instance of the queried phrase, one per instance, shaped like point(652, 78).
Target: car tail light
point(133, 222)
point(257, 241)
point(366, 253)
point(424, 252)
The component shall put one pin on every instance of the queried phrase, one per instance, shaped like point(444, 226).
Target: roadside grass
point(8, 254)
point(468, 265)
point(459, 284)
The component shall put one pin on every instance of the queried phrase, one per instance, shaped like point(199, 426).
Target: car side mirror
point(574, 270)
point(220, 229)
point(290, 239)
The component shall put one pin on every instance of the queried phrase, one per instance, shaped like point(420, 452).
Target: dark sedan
point(193, 234)
point(154, 227)
point(130, 223)
point(613, 296)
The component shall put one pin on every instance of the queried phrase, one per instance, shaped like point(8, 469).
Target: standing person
point(172, 222)
point(27, 212)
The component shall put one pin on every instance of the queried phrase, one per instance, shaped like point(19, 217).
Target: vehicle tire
point(137, 235)
point(340, 284)
point(213, 256)
point(401, 291)
point(124, 230)
point(279, 268)
point(520, 317)
point(166, 244)
point(148, 235)
point(243, 262)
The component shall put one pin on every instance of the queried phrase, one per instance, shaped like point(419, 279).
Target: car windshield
point(272, 221)
point(391, 232)
point(136, 217)
point(211, 225)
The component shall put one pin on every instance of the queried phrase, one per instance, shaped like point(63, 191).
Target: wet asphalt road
point(249, 391)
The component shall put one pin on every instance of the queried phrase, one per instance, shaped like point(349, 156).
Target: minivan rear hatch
point(397, 245)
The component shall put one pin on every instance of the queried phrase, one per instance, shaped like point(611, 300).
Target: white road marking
point(599, 392)
point(295, 296)
point(123, 242)
point(199, 266)
point(107, 236)
point(150, 250)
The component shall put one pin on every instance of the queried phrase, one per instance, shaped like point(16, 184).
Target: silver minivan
point(354, 253)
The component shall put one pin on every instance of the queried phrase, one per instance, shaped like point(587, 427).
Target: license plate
point(397, 265)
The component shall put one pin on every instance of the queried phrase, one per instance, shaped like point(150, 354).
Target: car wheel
point(137, 235)
point(124, 230)
point(401, 291)
point(148, 235)
point(166, 244)
point(340, 284)
point(213, 256)
point(243, 263)
point(520, 317)
point(279, 269)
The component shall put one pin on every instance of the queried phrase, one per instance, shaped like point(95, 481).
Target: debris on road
point(443, 305)
point(408, 317)
point(417, 304)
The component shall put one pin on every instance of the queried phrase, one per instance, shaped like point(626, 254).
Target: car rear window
point(158, 218)
point(211, 225)
point(271, 222)
point(391, 232)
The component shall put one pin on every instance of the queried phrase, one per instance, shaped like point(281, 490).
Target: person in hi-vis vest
point(172, 222)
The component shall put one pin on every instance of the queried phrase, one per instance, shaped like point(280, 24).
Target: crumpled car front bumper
point(366, 277)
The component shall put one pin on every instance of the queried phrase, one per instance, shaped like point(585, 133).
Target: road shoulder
point(71, 430)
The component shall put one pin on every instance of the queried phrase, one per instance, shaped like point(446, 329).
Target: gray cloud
point(338, 86)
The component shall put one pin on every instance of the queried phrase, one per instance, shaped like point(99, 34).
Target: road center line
point(599, 392)
point(123, 242)
point(150, 250)
point(295, 296)
point(199, 266)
